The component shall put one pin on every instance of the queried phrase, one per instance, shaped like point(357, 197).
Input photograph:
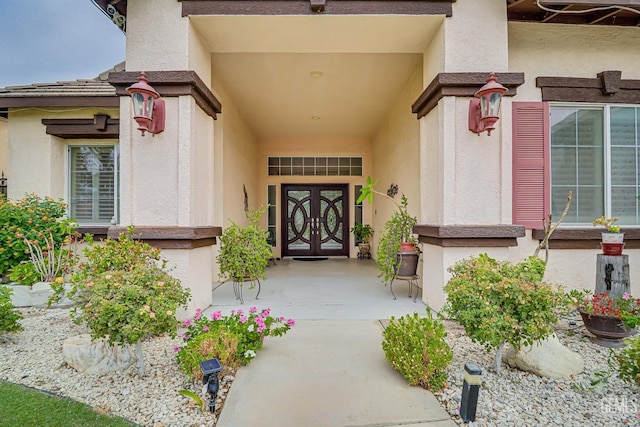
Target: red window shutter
point(531, 165)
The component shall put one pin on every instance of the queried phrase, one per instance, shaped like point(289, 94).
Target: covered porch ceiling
point(336, 78)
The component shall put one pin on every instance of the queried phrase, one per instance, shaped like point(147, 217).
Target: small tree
point(498, 302)
point(125, 294)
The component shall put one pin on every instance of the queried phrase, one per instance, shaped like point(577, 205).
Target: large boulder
point(546, 358)
point(96, 357)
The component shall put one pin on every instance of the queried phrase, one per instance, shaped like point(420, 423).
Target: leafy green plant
point(52, 260)
point(628, 361)
point(416, 348)
point(9, 316)
point(193, 396)
point(244, 251)
point(362, 232)
point(498, 302)
point(24, 274)
point(233, 339)
point(124, 293)
point(31, 218)
point(397, 229)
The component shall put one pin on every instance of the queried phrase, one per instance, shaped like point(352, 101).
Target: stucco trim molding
point(584, 238)
point(469, 235)
point(608, 87)
point(171, 83)
point(323, 7)
point(172, 237)
point(101, 126)
point(461, 84)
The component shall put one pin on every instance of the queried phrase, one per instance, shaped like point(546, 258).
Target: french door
point(315, 220)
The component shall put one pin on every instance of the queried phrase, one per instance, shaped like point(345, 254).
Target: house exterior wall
point(571, 51)
point(37, 161)
point(4, 145)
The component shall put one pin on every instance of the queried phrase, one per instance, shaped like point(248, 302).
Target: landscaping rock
point(36, 295)
point(96, 357)
point(546, 358)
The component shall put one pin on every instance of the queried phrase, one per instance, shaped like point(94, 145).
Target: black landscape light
point(210, 369)
point(470, 390)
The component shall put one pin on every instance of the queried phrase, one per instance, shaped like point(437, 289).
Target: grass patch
point(23, 406)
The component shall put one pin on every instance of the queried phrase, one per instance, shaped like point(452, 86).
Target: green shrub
point(244, 251)
point(24, 274)
point(498, 302)
point(31, 218)
point(124, 293)
point(629, 361)
point(9, 316)
point(416, 348)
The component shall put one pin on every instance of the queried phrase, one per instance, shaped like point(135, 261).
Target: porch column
point(167, 180)
point(465, 178)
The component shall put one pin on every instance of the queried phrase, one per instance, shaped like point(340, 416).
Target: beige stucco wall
point(396, 155)
point(36, 161)
point(570, 51)
point(4, 145)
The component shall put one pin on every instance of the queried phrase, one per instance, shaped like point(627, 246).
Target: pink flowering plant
point(124, 294)
point(233, 340)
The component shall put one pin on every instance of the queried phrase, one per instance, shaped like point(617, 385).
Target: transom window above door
point(595, 153)
point(315, 166)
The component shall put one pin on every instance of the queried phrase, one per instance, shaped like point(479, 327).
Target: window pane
point(623, 162)
point(623, 126)
point(577, 162)
point(624, 204)
point(563, 165)
point(93, 184)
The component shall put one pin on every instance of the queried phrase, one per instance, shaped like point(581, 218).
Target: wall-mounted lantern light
point(148, 108)
point(484, 109)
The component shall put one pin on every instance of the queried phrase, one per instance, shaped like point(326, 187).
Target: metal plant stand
point(237, 288)
point(413, 282)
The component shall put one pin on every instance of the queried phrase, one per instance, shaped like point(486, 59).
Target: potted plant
point(609, 318)
point(397, 253)
point(362, 233)
point(244, 252)
point(612, 239)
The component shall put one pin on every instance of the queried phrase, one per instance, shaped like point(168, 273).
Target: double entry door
point(315, 220)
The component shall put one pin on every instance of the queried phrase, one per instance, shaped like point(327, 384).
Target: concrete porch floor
point(336, 288)
point(329, 370)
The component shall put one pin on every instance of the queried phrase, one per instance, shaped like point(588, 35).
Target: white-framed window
point(93, 183)
point(595, 153)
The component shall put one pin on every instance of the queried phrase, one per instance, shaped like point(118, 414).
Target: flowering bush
point(233, 339)
point(626, 308)
point(31, 218)
point(124, 293)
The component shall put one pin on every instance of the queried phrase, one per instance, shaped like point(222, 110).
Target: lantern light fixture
point(148, 108)
point(484, 108)
point(210, 369)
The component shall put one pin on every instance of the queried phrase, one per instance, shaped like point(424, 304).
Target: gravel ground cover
point(33, 357)
point(517, 398)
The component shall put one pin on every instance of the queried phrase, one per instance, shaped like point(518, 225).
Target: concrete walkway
point(329, 370)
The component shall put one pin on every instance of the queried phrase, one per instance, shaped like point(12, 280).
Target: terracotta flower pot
point(612, 248)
